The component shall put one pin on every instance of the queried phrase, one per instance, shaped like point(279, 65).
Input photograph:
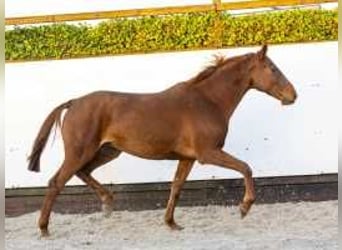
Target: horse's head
point(267, 78)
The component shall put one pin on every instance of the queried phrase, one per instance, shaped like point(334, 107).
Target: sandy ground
point(302, 226)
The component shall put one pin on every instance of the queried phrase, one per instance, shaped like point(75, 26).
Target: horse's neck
point(227, 86)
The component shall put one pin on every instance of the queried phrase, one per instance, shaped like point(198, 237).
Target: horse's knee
point(250, 200)
point(107, 198)
point(53, 185)
point(248, 172)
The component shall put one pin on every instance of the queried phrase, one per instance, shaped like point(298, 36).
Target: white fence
point(275, 140)
point(15, 9)
point(18, 8)
point(45, 7)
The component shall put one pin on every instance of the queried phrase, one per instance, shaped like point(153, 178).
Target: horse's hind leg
point(69, 167)
point(183, 169)
point(105, 154)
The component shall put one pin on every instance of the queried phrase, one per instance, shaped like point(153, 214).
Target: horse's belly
point(147, 134)
point(147, 151)
point(144, 147)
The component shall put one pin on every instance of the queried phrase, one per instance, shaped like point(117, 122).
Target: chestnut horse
point(186, 122)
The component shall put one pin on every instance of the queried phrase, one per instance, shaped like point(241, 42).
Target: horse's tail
point(43, 135)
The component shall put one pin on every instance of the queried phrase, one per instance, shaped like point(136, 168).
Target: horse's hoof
point(243, 214)
point(44, 233)
point(244, 210)
point(174, 226)
point(107, 210)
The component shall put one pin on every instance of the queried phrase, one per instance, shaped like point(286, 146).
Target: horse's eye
point(273, 69)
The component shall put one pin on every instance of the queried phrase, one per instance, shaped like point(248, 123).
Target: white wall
point(291, 140)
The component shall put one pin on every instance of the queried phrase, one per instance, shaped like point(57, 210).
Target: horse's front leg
point(220, 158)
point(183, 170)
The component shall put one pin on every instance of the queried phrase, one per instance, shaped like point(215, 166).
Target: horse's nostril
point(291, 92)
point(295, 96)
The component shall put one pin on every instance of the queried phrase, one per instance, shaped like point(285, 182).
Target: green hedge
point(173, 32)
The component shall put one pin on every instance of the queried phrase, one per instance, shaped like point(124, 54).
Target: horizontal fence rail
point(217, 5)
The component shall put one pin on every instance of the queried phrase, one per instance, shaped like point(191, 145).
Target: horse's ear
point(262, 53)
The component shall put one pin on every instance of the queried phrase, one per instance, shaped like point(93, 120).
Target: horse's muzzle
point(287, 102)
point(289, 95)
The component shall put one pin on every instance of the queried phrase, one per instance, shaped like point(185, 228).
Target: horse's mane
point(217, 63)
